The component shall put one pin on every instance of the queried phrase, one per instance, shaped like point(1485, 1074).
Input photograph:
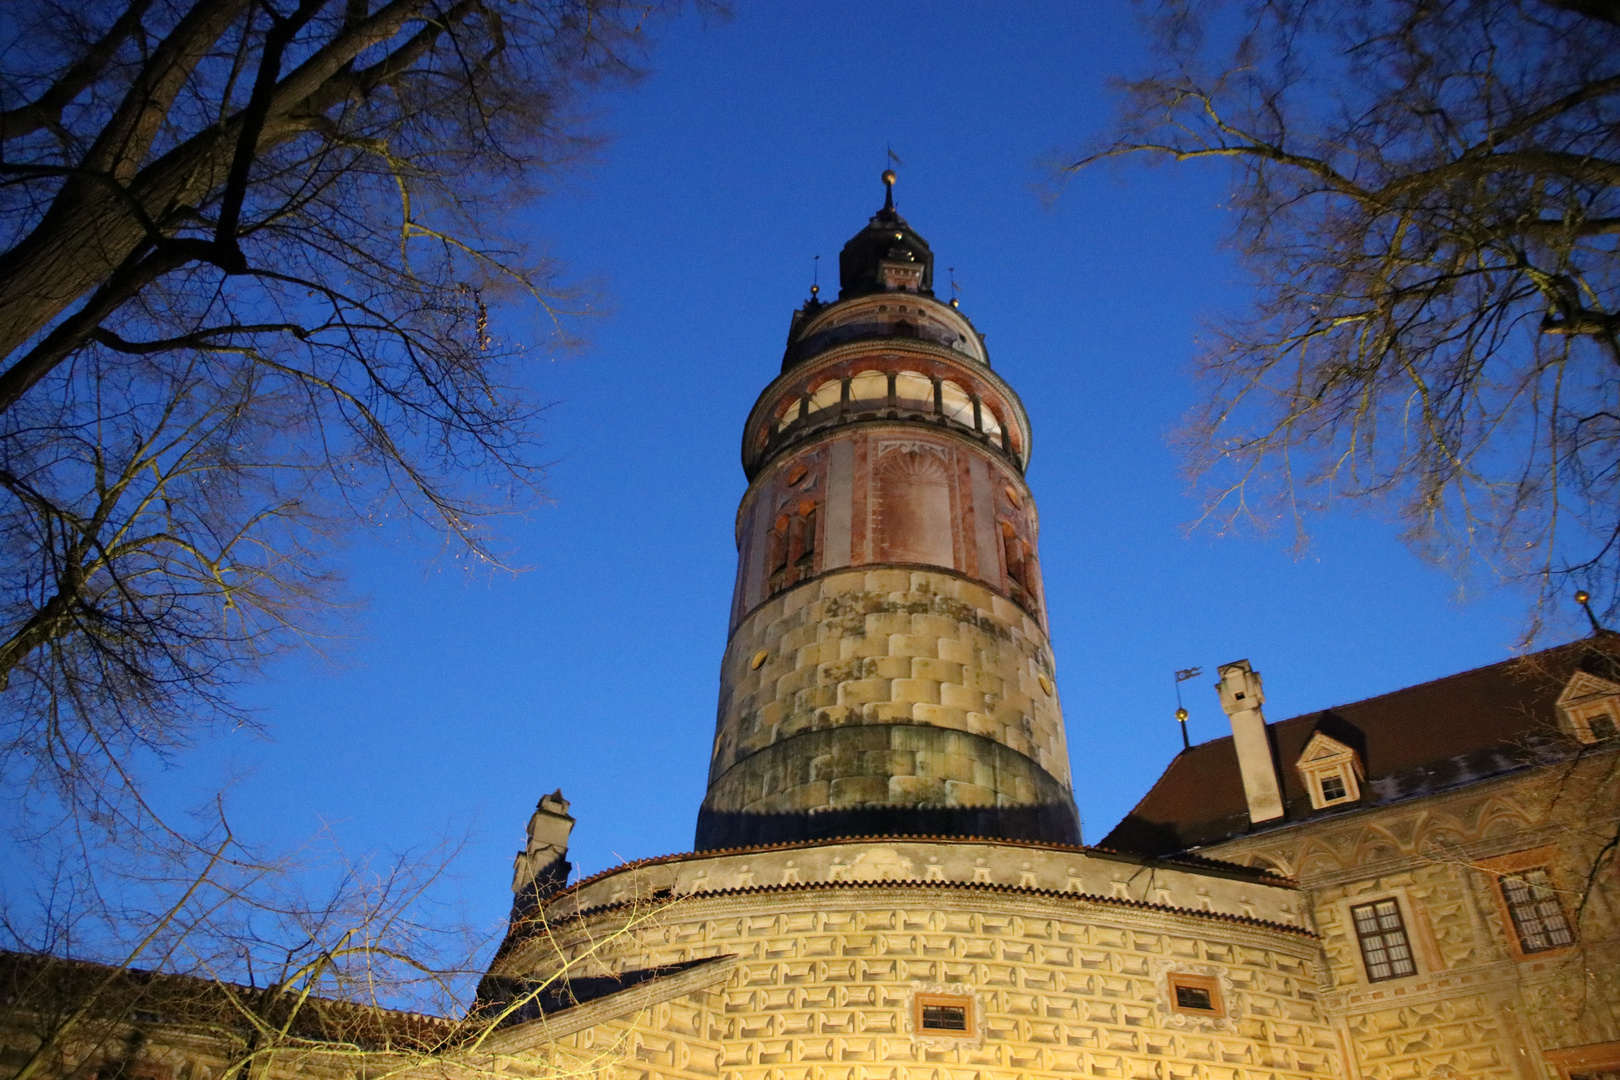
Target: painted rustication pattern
point(825, 992)
point(883, 648)
point(675, 1039)
point(1478, 1004)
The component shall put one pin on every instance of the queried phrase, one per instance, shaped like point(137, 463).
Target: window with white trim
point(1591, 708)
point(1330, 771)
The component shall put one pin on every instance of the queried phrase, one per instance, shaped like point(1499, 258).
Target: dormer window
point(1591, 708)
point(1331, 772)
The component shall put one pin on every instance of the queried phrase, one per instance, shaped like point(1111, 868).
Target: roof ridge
point(1312, 713)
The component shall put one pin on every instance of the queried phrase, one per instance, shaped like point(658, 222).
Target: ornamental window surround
point(945, 1014)
point(1199, 995)
point(1590, 707)
point(1595, 1061)
point(1331, 772)
point(1537, 915)
point(1527, 899)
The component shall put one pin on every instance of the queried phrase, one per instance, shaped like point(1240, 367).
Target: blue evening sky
point(755, 144)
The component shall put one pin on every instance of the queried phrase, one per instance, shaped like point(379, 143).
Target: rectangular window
point(1602, 728)
point(1538, 917)
point(1385, 948)
point(944, 1014)
point(1333, 788)
point(1195, 993)
point(944, 1018)
point(1596, 1061)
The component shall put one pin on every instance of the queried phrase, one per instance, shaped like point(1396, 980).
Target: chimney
point(542, 867)
point(1241, 697)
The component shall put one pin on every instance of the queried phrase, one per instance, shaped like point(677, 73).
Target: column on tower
point(888, 670)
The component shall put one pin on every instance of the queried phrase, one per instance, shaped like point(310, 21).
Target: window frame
point(1505, 866)
point(965, 1002)
point(1576, 1062)
point(1382, 933)
point(1207, 983)
point(1586, 697)
point(1341, 763)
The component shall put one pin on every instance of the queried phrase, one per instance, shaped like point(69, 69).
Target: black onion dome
point(886, 238)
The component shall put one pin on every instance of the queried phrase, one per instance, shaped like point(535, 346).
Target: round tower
point(888, 671)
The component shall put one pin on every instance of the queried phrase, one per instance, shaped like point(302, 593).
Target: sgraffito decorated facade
point(888, 880)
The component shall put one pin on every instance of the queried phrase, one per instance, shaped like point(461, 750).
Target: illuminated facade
point(888, 879)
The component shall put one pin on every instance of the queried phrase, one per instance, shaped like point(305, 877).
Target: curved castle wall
point(905, 701)
point(825, 980)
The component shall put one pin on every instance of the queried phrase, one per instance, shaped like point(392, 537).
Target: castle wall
point(1477, 1004)
point(1061, 986)
point(899, 688)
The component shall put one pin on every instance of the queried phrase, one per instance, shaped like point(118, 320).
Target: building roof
point(1428, 738)
point(886, 238)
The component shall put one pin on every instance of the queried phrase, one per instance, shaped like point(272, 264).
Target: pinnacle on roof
point(887, 241)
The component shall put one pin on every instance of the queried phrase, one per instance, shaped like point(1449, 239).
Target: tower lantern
point(888, 670)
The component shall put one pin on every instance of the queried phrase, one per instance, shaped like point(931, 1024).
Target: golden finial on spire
point(1584, 598)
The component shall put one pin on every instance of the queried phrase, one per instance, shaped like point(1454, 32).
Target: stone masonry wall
point(887, 649)
point(1062, 988)
point(1476, 1007)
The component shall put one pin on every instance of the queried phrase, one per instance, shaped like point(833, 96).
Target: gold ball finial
point(1181, 714)
point(815, 290)
point(889, 177)
point(1582, 596)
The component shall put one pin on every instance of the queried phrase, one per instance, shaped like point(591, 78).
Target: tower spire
point(888, 189)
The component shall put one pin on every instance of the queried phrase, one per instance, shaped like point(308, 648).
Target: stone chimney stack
point(541, 868)
point(1241, 697)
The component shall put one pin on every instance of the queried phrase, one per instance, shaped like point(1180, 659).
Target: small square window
point(1197, 994)
point(1333, 788)
point(945, 1014)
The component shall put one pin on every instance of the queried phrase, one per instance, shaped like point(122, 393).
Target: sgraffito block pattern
point(824, 990)
point(889, 650)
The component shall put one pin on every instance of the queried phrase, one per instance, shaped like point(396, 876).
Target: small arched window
point(1020, 568)
point(805, 555)
point(777, 555)
point(869, 386)
point(826, 396)
point(957, 404)
point(914, 391)
point(789, 413)
point(988, 422)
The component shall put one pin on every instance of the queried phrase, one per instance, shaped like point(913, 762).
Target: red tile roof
point(1431, 737)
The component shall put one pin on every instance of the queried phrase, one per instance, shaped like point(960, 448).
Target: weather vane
point(1181, 710)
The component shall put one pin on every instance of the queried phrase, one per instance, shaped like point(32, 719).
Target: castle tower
point(887, 877)
point(888, 671)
